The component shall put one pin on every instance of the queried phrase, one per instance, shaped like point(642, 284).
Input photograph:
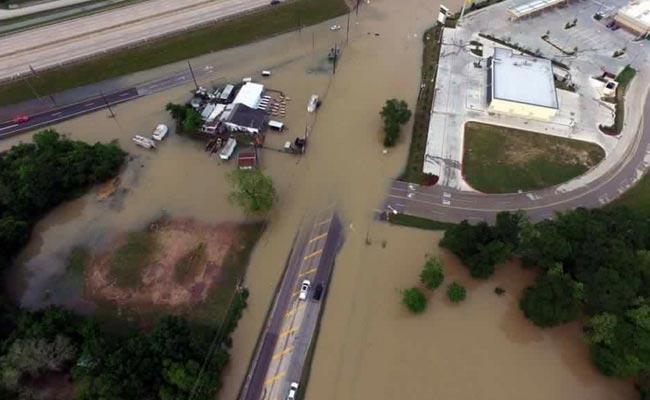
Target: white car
point(304, 289)
point(293, 390)
point(335, 27)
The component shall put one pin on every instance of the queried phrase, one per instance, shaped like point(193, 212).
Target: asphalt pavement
point(450, 205)
point(287, 336)
point(68, 41)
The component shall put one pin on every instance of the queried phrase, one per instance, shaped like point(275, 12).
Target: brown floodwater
point(369, 347)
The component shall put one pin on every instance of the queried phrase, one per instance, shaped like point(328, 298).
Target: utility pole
point(110, 109)
point(192, 73)
point(347, 30)
point(336, 56)
point(34, 92)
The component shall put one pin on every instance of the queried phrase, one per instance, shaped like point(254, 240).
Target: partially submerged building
point(635, 17)
point(249, 94)
point(242, 118)
point(521, 85)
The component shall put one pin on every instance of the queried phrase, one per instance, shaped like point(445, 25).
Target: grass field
point(131, 258)
point(637, 198)
point(418, 222)
point(430, 54)
point(188, 264)
point(504, 160)
point(222, 35)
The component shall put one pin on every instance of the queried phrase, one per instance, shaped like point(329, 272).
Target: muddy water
point(368, 347)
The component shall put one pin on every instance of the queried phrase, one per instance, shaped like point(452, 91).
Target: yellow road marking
point(287, 332)
point(324, 222)
point(307, 272)
point(290, 313)
point(275, 378)
point(314, 254)
point(318, 237)
point(280, 354)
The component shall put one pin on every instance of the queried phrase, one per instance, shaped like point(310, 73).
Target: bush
point(394, 113)
point(414, 300)
point(432, 274)
point(456, 292)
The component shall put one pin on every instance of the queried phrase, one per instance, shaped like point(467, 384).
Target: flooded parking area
point(368, 346)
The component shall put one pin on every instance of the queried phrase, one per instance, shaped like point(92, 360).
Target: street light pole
point(192, 73)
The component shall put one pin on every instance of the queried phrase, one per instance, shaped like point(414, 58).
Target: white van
point(266, 73)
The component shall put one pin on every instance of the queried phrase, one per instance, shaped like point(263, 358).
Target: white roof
point(249, 94)
point(276, 124)
point(207, 110)
point(523, 79)
point(215, 112)
point(639, 11)
point(530, 7)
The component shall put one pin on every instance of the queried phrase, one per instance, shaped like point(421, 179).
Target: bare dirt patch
point(158, 282)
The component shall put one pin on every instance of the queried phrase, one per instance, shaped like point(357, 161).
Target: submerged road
point(450, 205)
point(285, 340)
point(61, 43)
point(55, 115)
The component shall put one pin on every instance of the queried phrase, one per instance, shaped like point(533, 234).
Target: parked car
point(293, 391)
point(335, 27)
point(19, 119)
point(318, 292)
point(274, 2)
point(304, 289)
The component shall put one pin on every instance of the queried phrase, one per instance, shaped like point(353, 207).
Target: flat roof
point(249, 94)
point(523, 79)
point(529, 7)
point(638, 11)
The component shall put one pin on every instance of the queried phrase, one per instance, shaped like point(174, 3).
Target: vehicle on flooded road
point(304, 289)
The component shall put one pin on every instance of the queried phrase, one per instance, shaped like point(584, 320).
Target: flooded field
point(369, 347)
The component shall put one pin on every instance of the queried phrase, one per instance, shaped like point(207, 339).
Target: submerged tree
point(252, 191)
point(414, 300)
point(432, 274)
point(456, 292)
point(395, 113)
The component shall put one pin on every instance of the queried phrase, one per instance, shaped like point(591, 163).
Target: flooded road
point(369, 347)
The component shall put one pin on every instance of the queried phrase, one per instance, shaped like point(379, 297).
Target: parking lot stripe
point(290, 313)
point(280, 354)
point(287, 332)
point(309, 271)
point(314, 254)
point(274, 378)
point(318, 237)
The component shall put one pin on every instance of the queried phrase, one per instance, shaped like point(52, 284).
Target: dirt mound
point(160, 282)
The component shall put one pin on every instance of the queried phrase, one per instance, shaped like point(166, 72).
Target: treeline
point(594, 266)
point(175, 360)
point(35, 177)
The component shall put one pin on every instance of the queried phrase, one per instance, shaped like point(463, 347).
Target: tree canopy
point(414, 300)
point(395, 113)
point(432, 275)
point(252, 191)
point(456, 292)
point(592, 263)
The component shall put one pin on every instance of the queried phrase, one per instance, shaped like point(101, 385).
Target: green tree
point(252, 191)
point(456, 292)
point(192, 122)
point(414, 300)
point(432, 274)
point(555, 299)
point(395, 113)
point(601, 328)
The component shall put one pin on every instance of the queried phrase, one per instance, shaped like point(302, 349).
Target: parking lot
point(461, 84)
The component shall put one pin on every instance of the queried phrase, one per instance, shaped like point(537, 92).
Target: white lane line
point(9, 127)
point(56, 113)
point(124, 94)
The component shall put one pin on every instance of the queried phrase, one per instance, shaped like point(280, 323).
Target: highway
point(287, 336)
point(449, 205)
point(72, 40)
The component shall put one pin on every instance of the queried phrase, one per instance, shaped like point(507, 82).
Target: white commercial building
point(249, 94)
point(521, 85)
point(635, 17)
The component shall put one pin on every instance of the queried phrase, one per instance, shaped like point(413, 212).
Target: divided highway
point(64, 42)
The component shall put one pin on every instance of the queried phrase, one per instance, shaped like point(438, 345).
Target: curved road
point(450, 205)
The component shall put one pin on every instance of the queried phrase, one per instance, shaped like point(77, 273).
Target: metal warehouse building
point(635, 17)
point(521, 85)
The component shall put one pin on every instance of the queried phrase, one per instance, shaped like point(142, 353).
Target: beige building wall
point(521, 109)
point(632, 25)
